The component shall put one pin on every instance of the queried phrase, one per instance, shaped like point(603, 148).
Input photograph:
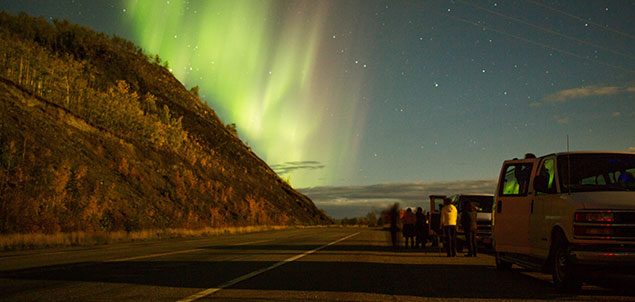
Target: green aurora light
point(272, 68)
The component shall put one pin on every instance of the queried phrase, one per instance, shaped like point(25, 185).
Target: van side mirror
point(540, 183)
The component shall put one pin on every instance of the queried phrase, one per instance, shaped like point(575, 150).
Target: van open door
point(513, 206)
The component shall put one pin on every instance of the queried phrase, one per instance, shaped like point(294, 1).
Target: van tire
point(563, 270)
point(501, 264)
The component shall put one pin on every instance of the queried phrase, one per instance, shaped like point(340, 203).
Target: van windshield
point(483, 203)
point(597, 172)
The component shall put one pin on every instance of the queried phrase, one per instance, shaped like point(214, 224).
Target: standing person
point(448, 221)
point(468, 221)
point(409, 220)
point(394, 225)
point(421, 228)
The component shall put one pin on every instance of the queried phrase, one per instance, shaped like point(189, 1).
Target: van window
point(483, 203)
point(549, 170)
point(516, 179)
point(595, 180)
point(596, 172)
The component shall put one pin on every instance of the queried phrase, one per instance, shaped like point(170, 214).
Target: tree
point(372, 218)
point(195, 90)
point(232, 128)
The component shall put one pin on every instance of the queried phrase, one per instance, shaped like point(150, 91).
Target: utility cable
point(583, 20)
point(553, 32)
point(536, 43)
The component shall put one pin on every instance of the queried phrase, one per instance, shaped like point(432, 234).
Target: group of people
point(415, 227)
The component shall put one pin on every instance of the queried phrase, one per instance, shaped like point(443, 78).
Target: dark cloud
point(355, 201)
point(291, 166)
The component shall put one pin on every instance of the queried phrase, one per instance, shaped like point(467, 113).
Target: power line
point(583, 20)
point(536, 43)
point(553, 32)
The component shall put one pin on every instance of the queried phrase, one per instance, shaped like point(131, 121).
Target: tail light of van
point(594, 217)
point(604, 224)
point(593, 224)
point(595, 231)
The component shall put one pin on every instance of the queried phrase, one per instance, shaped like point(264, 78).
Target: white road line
point(251, 242)
point(155, 255)
point(210, 291)
point(179, 252)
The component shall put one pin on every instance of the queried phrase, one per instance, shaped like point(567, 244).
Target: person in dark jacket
point(421, 228)
point(394, 225)
point(409, 220)
point(468, 221)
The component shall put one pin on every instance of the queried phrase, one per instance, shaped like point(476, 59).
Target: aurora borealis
point(343, 96)
point(263, 67)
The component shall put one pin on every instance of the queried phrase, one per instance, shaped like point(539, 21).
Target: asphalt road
point(312, 264)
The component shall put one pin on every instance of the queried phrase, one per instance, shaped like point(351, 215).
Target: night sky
point(401, 98)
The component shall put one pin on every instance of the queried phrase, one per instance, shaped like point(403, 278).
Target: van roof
point(589, 152)
point(473, 194)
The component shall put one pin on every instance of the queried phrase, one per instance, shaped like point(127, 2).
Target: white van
point(570, 214)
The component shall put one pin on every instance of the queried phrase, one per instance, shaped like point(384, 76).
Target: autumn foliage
point(97, 136)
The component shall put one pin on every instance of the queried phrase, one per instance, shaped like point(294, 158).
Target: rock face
point(96, 136)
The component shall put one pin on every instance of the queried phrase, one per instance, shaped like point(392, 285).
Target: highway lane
point(338, 264)
point(165, 270)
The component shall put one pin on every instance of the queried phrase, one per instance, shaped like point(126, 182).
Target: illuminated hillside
point(95, 135)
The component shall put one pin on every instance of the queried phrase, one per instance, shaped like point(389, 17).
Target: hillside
point(97, 136)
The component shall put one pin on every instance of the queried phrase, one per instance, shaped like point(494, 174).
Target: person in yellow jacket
point(448, 221)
